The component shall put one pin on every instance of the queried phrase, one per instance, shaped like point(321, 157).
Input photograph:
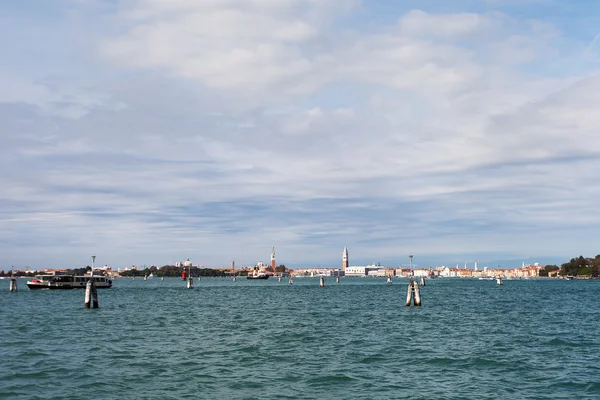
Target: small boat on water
point(260, 275)
point(67, 282)
point(257, 274)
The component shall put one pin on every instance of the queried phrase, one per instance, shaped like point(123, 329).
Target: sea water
point(471, 339)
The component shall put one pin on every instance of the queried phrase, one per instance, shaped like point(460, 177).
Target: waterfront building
point(404, 272)
point(186, 264)
point(355, 271)
point(377, 272)
point(318, 271)
point(369, 270)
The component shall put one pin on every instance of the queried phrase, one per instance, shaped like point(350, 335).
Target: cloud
point(227, 127)
point(446, 26)
point(251, 46)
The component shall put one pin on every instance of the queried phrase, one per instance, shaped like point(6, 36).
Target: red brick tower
point(273, 262)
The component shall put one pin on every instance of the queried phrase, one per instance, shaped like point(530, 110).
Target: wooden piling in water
point(91, 295)
point(88, 294)
point(190, 283)
point(417, 294)
point(409, 294)
point(389, 280)
point(13, 285)
point(95, 303)
point(413, 295)
point(322, 282)
point(337, 279)
point(422, 281)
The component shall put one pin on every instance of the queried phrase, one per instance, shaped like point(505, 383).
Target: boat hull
point(36, 286)
point(67, 282)
point(258, 277)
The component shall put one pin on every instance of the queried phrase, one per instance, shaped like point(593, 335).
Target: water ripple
point(534, 339)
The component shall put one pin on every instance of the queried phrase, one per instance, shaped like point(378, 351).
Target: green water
point(527, 339)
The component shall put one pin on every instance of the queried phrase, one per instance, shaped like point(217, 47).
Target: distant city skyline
point(148, 131)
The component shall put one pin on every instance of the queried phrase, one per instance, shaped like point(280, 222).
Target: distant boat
point(257, 274)
point(260, 275)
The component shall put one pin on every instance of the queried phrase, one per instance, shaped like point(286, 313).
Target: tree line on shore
point(173, 271)
point(582, 266)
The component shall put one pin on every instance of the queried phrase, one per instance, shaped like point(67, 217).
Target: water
point(528, 339)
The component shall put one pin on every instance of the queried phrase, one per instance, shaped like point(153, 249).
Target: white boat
point(67, 282)
point(257, 274)
point(260, 275)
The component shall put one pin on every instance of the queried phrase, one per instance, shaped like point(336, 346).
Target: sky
point(146, 131)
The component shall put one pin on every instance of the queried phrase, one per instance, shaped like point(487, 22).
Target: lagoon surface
point(471, 339)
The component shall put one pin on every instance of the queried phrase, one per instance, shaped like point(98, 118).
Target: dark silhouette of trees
point(581, 266)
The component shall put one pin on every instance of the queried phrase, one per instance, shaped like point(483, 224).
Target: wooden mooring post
point(190, 280)
point(13, 285)
point(422, 281)
point(322, 281)
point(413, 295)
point(91, 293)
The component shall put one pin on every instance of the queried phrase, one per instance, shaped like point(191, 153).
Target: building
point(355, 271)
point(186, 264)
point(318, 271)
point(345, 259)
point(273, 262)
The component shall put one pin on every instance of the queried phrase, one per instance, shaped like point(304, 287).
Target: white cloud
point(252, 46)
point(264, 123)
point(444, 26)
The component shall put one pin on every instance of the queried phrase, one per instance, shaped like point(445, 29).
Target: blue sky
point(145, 131)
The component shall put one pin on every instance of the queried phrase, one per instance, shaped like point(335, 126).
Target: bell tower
point(345, 259)
point(273, 262)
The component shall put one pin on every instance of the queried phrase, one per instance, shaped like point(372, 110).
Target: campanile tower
point(345, 259)
point(273, 262)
